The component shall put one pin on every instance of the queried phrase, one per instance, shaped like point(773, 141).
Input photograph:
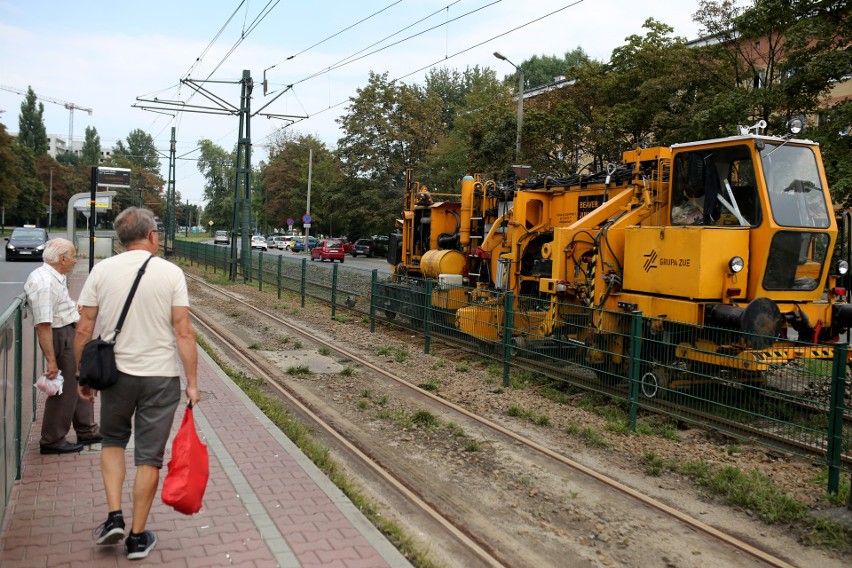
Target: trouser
point(61, 411)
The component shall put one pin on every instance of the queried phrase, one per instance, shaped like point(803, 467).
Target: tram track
point(483, 551)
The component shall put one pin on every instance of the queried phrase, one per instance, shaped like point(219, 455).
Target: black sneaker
point(139, 545)
point(110, 531)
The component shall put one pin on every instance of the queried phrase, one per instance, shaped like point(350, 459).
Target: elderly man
point(143, 400)
point(55, 317)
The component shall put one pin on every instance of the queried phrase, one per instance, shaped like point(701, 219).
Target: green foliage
point(91, 153)
point(31, 131)
point(10, 170)
point(299, 370)
point(216, 165)
point(140, 151)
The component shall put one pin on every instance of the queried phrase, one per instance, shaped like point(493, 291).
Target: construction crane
point(70, 106)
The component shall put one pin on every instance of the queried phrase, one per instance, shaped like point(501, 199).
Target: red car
point(328, 249)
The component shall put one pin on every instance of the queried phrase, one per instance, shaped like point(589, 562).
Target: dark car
point(362, 247)
point(328, 249)
point(380, 245)
point(26, 243)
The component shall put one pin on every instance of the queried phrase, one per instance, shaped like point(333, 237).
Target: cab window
point(715, 187)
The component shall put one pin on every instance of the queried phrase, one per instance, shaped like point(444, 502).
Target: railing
point(21, 362)
point(792, 396)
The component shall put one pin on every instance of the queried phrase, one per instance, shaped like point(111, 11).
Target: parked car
point(347, 246)
point(221, 238)
point(26, 242)
point(362, 247)
point(380, 245)
point(259, 242)
point(276, 242)
point(298, 244)
point(328, 249)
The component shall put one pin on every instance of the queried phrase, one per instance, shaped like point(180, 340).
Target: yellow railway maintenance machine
point(733, 233)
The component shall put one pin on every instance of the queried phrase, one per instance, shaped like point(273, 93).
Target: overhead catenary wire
point(447, 57)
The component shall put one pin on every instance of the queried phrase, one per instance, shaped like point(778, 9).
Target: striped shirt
point(48, 298)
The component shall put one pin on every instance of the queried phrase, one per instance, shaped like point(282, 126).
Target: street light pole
point(500, 56)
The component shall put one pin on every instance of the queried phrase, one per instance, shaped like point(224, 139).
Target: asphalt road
point(358, 262)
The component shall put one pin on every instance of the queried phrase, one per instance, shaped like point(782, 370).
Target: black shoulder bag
point(97, 364)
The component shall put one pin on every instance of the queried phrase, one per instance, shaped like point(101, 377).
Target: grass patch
point(425, 419)
point(255, 346)
point(342, 318)
point(439, 364)
point(472, 446)
point(401, 353)
point(276, 411)
point(527, 414)
point(653, 464)
point(347, 371)
point(431, 385)
point(299, 370)
point(324, 351)
point(297, 344)
point(384, 350)
point(591, 437)
point(462, 368)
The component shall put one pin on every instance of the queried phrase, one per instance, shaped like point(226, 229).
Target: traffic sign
point(210, 222)
point(290, 221)
point(306, 219)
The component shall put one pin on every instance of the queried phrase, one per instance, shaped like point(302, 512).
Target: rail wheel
point(655, 383)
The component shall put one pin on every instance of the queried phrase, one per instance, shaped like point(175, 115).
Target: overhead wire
point(502, 34)
point(322, 41)
point(352, 59)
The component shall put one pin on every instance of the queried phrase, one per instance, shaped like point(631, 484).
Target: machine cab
point(773, 187)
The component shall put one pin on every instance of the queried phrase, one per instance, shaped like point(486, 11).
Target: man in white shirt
point(147, 391)
point(55, 317)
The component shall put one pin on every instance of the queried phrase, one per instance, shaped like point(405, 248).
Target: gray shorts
point(153, 400)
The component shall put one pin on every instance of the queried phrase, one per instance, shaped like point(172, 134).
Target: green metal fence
point(792, 397)
point(21, 361)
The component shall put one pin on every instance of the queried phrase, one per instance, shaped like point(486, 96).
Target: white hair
point(56, 249)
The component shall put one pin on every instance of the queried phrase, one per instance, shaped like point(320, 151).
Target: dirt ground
point(544, 517)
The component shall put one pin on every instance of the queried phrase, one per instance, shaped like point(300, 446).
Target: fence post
point(260, 270)
point(19, 388)
point(304, 279)
point(427, 317)
point(635, 366)
point(333, 289)
point(373, 285)
point(508, 324)
point(835, 417)
point(280, 260)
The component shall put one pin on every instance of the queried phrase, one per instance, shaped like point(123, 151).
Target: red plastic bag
point(186, 480)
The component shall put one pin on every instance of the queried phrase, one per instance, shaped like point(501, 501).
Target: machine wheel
point(655, 383)
point(519, 345)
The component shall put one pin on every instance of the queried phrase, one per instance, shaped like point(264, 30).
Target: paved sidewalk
point(266, 504)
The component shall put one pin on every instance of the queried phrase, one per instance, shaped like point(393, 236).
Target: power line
point(361, 21)
point(353, 59)
point(499, 35)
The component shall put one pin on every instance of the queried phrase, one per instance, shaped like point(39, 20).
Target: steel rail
point(465, 539)
point(646, 500)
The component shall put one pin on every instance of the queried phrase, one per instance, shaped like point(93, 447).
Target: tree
point(91, 154)
point(283, 181)
point(544, 69)
point(216, 165)
point(31, 191)
point(10, 171)
point(783, 55)
point(31, 130)
point(140, 150)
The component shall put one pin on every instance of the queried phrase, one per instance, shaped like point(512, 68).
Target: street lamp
point(502, 57)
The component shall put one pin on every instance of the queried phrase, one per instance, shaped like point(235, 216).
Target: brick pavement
point(266, 504)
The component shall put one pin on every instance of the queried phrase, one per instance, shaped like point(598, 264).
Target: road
point(358, 262)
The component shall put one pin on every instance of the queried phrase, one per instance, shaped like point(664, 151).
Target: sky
point(104, 56)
